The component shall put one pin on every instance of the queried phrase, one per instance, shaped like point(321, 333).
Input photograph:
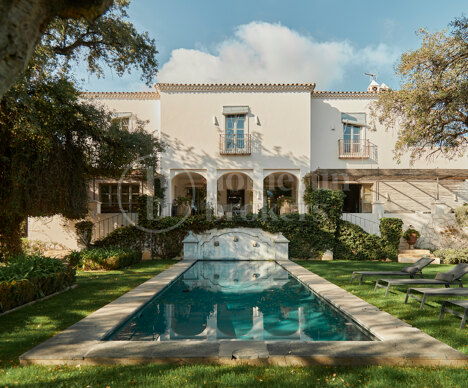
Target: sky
point(329, 42)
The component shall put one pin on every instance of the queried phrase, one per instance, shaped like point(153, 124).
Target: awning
point(392, 174)
point(235, 110)
point(358, 119)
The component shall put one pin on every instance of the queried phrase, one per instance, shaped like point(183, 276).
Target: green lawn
point(24, 329)
point(447, 329)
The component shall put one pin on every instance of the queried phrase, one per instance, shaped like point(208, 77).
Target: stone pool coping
point(398, 343)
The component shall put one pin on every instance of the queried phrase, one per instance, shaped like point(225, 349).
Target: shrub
point(326, 205)
point(27, 278)
point(461, 214)
point(37, 247)
point(353, 243)
point(22, 267)
point(143, 202)
point(409, 232)
point(104, 258)
point(391, 230)
point(452, 256)
point(84, 230)
point(307, 238)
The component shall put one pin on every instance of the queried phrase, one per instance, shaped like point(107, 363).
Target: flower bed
point(27, 278)
point(104, 258)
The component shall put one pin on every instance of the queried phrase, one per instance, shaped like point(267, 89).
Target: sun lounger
point(451, 277)
point(411, 270)
point(434, 292)
point(461, 303)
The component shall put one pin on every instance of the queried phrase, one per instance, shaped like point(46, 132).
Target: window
point(110, 197)
point(235, 126)
point(122, 122)
point(352, 139)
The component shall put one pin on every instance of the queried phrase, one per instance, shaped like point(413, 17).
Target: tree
point(431, 108)
point(51, 140)
point(22, 23)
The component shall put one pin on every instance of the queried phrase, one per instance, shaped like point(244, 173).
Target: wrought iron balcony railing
point(231, 144)
point(356, 149)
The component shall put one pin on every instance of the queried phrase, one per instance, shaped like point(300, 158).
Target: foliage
point(104, 258)
point(26, 278)
point(181, 200)
point(51, 140)
point(23, 24)
point(84, 230)
point(411, 232)
point(391, 230)
point(37, 247)
point(432, 106)
point(22, 267)
point(452, 256)
point(461, 215)
point(51, 143)
point(109, 39)
point(353, 243)
point(325, 204)
point(307, 238)
point(144, 214)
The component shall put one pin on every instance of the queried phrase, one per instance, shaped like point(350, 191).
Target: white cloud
point(265, 52)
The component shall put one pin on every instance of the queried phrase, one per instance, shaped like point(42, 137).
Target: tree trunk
point(10, 237)
point(22, 23)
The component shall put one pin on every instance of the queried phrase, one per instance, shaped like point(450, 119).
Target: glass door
point(235, 126)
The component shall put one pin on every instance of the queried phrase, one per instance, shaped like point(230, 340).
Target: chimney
point(373, 87)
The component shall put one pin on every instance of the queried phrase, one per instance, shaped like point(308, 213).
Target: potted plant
point(411, 236)
point(284, 204)
point(183, 207)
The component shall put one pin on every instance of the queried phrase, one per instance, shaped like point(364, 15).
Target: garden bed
point(27, 278)
point(104, 258)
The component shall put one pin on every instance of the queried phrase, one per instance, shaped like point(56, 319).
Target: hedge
point(353, 243)
point(391, 230)
point(308, 239)
point(326, 205)
point(104, 258)
point(452, 256)
point(27, 278)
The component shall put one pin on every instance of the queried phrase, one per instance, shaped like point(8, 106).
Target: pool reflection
point(254, 300)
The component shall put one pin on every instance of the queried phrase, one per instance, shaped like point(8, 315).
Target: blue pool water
point(241, 300)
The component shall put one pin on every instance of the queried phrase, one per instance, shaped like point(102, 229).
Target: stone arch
point(188, 190)
point(235, 193)
point(281, 191)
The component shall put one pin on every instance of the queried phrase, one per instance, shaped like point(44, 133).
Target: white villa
point(238, 147)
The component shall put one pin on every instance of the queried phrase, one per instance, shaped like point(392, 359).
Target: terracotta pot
point(412, 238)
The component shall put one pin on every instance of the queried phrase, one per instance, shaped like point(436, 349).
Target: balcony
point(356, 149)
point(230, 144)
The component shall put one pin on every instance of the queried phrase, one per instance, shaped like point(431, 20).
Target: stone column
point(212, 190)
point(378, 208)
point(257, 191)
point(94, 208)
point(438, 209)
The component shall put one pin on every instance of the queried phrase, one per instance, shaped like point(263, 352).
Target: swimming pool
point(233, 300)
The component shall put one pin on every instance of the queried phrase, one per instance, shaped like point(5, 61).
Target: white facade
point(240, 147)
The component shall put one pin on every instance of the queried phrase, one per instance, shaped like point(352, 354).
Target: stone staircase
point(413, 255)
